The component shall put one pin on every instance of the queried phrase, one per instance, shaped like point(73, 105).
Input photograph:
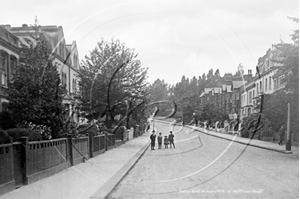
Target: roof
point(218, 90)
point(207, 90)
point(237, 84)
point(202, 94)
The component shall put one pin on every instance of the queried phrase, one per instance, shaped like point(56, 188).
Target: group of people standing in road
point(168, 140)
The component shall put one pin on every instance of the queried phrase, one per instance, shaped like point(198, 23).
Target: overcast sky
point(172, 37)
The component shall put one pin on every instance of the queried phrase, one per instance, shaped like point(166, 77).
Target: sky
point(171, 37)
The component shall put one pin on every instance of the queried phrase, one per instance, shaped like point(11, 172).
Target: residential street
point(203, 166)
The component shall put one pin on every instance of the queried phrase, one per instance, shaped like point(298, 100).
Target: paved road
point(202, 166)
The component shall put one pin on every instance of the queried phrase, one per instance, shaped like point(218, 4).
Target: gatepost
point(24, 162)
point(91, 144)
point(105, 140)
point(70, 144)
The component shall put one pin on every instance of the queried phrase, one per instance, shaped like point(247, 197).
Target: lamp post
point(288, 146)
point(153, 123)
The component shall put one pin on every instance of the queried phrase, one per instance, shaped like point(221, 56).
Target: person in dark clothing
point(166, 142)
point(281, 135)
point(195, 119)
point(159, 140)
point(171, 139)
point(152, 138)
point(236, 124)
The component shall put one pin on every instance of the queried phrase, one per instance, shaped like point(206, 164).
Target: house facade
point(267, 80)
point(248, 93)
point(9, 58)
point(65, 58)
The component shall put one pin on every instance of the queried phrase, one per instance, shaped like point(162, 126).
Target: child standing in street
point(152, 138)
point(159, 140)
point(281, 135)
point(166, 142)
point(171, 139)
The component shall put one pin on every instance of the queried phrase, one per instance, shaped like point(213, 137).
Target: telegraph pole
point(288, 146)
point(153, 123)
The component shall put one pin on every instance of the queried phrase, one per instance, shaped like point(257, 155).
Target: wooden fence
point(45, 158)
point(99, 144)
point(7, 182)
point(24, 162)
point(80, 150)
point(110, 141)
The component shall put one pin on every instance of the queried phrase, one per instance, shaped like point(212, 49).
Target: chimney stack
point(7, 27)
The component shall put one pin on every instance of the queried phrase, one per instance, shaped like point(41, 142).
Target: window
point(61, 50)
point(257, 87)
point(74, 82)
point(3, 68)
point(266, 85)
point(279, 82)
point(13, 65)
point(275, 84)
point(253, 93)
point(67, 110)
point(63, 79)
point(249, 111)
point(250, 97)
point(74, 60)
point(260, 87)
point(270, 85)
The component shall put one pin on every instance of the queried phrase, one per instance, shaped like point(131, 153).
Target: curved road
point(202, 166)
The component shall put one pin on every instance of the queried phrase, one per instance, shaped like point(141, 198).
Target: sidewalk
point(255, 143)
point(93, 179)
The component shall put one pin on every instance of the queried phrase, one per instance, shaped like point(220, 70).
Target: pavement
point(251, 142)
point(95, 178)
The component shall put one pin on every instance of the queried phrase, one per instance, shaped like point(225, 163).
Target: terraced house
point(65, 57)
point(268, 79)
point(226, 95)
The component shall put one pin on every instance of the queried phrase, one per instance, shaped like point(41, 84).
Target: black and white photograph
point(149, 99)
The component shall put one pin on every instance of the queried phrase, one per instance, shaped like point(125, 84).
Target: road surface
point(203, 166)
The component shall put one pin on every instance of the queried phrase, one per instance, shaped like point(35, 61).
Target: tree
point(209, 112)
point(111, 74)
point(158, 91)
point(276, 107)
point(210, 74)
point(35, 94)
point(217, 74)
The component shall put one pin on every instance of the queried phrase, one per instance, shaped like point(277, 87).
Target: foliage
point(209, 112)
point(35, 95)
point(159, 91)
point(88, 129)
point(17, 133)
point(6, 120)
point(249, 126)
point(43, 130)
point(96, 72)
point(4, 137)
point(276, 107)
